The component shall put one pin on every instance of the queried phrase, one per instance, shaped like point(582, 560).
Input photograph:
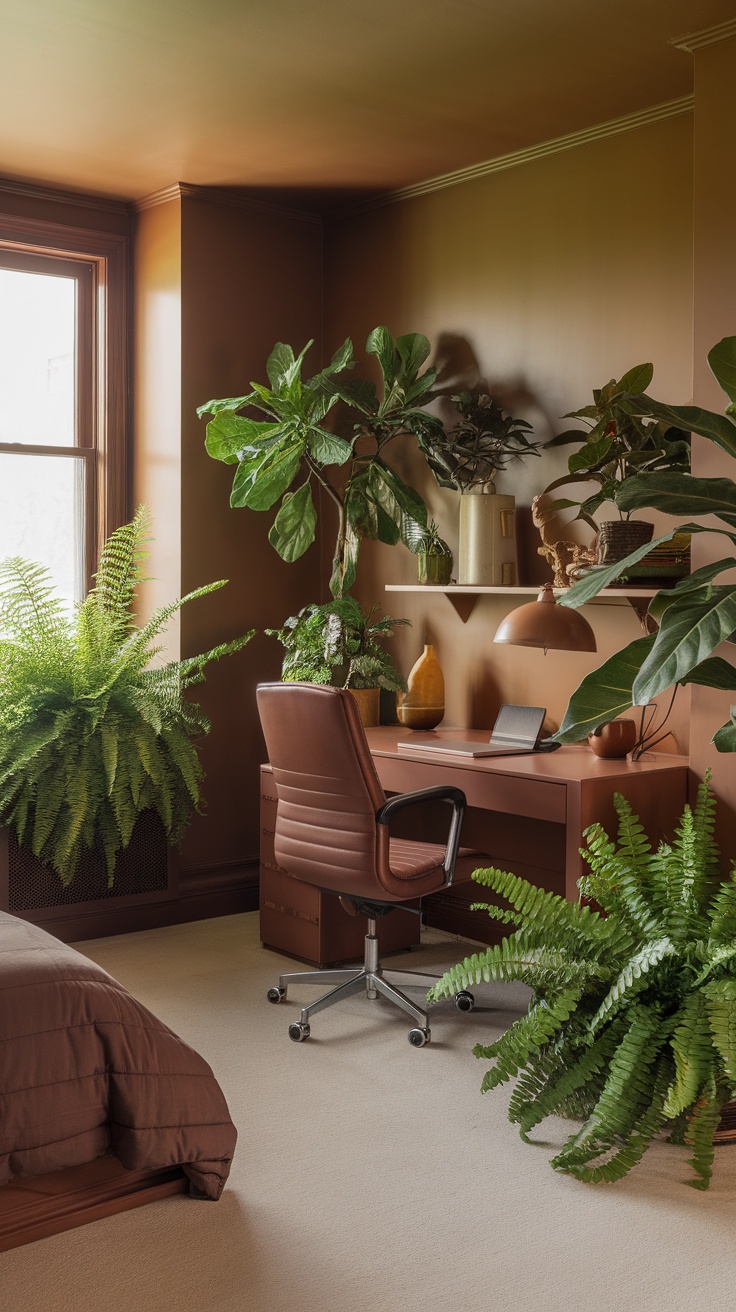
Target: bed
point(103, 1106)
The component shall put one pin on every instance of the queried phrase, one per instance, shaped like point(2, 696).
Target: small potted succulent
point(337, 643)
point(434, 557)
point(467, 458)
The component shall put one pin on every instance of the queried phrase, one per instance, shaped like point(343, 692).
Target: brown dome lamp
point(542, 623)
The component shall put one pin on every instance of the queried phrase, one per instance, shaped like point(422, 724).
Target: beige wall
point(544, 280)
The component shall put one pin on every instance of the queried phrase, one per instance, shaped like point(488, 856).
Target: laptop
point(517, 730)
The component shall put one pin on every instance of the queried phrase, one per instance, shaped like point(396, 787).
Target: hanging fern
point(632, 1024)
point(90, 735)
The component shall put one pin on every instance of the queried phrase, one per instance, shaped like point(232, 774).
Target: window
point(62, 397)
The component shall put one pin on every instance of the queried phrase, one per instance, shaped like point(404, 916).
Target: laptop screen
point(518, 726)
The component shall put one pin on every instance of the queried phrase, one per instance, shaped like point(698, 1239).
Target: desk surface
point(566, 765)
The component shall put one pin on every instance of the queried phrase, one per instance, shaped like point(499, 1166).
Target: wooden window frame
point(103, 421)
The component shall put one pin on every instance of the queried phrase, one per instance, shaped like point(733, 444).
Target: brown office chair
point(332, 830)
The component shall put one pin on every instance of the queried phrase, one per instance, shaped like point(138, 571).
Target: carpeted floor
point(371, 1175)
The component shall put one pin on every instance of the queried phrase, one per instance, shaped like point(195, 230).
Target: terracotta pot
point(613, 740)
point(369, 705)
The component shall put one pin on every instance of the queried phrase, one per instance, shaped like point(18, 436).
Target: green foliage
point(483, 441)
point(632, 1023)
point(337, 644)
point(294, 445)
point(617, 445)
point(90, 736)
point(699, 612)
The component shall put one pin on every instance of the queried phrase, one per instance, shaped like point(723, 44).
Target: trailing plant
point(483, 441)
point(699, 612)
point(340, 645)
point(286, 454)
point(618, 444)
point(90, 734)
point(632, 1022)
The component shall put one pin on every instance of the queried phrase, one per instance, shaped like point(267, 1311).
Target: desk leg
point(574, 825)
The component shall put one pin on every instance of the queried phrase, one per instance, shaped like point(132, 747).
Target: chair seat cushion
point(411, 860)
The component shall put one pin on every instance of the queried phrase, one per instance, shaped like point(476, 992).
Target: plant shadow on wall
point(91, 736)
point(632, 1021)
point(692, 618)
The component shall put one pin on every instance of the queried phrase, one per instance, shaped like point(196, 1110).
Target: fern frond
point(633, 978)
point(720, 1001)
point(702, 1123)
point(692, 1051)
point(525, 1036)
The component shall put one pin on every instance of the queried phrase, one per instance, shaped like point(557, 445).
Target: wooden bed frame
point(44, 1205)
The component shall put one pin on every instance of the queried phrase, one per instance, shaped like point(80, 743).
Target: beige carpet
point(371, 1175)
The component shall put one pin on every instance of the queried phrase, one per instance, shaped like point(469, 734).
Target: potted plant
point(434, 557)
point(91, 736)
point(283, 456)
point(467, 458)
point(631, 1024)
point(699, 612)
point(617, 444)
point(336, 643)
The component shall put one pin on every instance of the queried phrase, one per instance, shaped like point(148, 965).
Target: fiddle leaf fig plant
point(632, 1021)
point(283, 456)
point(699, 612)
point(91, 734)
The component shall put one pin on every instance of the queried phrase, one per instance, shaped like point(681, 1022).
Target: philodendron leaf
point(260, 482)
point(690, 631)
point(713, 672)
point(229, 434)
point(725, 739)
point(292, 531)
point(636, 379)
point(590, 457)
point(690, 418)
point(722, 360)
point(605, 692)
point(679, 494)
point(691, 583)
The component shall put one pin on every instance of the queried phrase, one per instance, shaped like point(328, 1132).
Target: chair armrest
point(440, 793)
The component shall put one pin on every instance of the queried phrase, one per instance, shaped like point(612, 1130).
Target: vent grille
point(141, 867)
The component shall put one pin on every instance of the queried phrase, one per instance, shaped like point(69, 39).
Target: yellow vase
point(422, 706)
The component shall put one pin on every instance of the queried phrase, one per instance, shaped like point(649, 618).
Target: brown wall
point(250, 278)
point(545, 280)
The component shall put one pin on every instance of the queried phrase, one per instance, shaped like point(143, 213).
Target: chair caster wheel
point(464, 1001)
point(419, 1037)
point(299, 1032)
point(276, 995)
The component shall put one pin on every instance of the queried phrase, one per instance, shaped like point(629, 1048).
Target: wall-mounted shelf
point(464, 596)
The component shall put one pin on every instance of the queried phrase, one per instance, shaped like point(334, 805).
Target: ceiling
point(125, 97)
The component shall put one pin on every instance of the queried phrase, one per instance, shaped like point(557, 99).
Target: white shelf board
point(475, 590)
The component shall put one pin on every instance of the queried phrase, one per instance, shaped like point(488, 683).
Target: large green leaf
point(229, 434)
point(722, 360)
point(358, 393)
point(691, 583)
point(381, 343)
point(413, 348)
point(394, 496)
point(679, 494)
point(690, 418)
point(327, 448)
point(227, 403)
point(636, 379)
point(724, 740)
point(591, 457)
point(260, 482)
point(605, 692)
point(361, 511)
point(279, 363)
point(292, 531)
point(690, 631)
point(713, 672)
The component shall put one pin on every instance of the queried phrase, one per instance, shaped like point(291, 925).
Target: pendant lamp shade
point(542, 623)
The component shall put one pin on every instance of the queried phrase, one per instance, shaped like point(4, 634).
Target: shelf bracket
point(464, 603)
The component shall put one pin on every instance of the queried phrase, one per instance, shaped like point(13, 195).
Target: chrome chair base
point(372, 980)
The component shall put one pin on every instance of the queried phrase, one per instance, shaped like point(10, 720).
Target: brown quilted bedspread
point(85, 1070)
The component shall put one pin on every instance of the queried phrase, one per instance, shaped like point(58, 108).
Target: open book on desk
point(517, 731)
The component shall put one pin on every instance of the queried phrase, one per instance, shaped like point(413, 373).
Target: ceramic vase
point(369, 705)
point(422, 706)
point(614, 740)
point(487, 546)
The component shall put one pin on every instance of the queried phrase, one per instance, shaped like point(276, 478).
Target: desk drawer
point(512, 794)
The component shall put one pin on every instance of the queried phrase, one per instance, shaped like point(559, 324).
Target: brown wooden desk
point(565, 791)
point(527, 812)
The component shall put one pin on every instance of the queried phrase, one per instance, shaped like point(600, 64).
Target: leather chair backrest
point(327, 787)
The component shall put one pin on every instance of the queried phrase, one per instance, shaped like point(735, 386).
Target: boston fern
point(632, 1023)
point(89, 735)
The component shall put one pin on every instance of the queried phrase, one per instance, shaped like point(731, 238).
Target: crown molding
point(705, 36)
point(85, 200)
point(612, 128)
point(222, 196)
